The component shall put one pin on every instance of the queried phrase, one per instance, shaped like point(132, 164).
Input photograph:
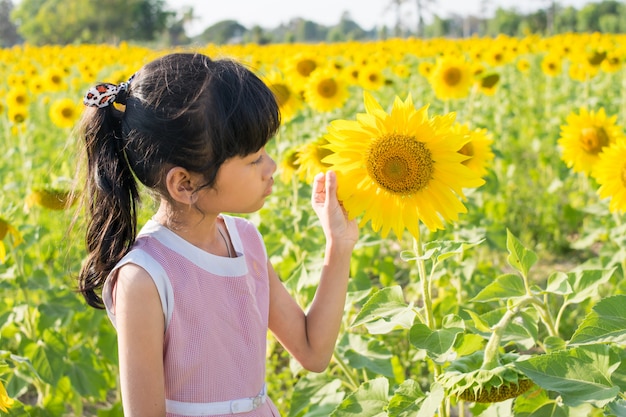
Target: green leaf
point(580, 375)
point(606, 322)
point(479, 323)
point(586, 283)
point(519, 257)
point(86, 380)
point(314, 388)
point(367, 353)
point(437, 343)
point(448, 248)
point(370, 400)
point(46, 362)
point(504, 287)
point(619, 375)
point(558, 284)
point(468, 343)
point(554, 343)
point(406, 399)
point(618, 408)
point(432, 402)
point(549, 409)
point(536, 403)
point(386, 305)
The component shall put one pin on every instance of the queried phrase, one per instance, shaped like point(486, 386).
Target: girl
point(193, 294)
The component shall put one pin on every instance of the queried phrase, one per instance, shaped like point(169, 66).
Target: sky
point(368, 14)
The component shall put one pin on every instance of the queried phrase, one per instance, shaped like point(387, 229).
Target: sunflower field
point(489, 179)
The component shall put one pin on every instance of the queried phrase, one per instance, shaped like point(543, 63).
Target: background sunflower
point(585, 135)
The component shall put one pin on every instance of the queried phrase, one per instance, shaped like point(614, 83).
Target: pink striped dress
point(216, 316)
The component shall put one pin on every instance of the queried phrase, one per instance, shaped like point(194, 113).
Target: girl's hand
point(334, 218)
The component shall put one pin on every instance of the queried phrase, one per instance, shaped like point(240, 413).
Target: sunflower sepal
point(467, 378)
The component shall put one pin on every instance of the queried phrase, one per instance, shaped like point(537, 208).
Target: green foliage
point(63, 22)
point(498, 312)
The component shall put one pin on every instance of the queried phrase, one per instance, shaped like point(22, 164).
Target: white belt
point(242, 405)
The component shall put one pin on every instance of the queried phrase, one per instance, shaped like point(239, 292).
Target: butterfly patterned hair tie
point(103, 94)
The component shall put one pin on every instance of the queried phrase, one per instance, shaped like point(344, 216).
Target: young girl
point(193, 294)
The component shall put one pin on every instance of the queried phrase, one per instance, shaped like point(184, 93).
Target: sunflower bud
point(52, 199)
point(4, 228)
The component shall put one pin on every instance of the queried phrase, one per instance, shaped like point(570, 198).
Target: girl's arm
point(311, 337)
point(140, 328)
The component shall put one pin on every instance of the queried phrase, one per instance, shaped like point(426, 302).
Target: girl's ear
point(180, 185)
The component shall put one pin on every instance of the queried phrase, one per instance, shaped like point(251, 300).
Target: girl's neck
point(207, 232)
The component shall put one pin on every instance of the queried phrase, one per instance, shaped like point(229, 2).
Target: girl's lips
point(268, 190)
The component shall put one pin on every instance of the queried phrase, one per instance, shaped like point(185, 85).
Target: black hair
point(182, 109)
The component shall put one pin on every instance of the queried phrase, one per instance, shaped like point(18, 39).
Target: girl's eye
point(258, 160)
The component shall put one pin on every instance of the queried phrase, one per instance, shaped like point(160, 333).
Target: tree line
point(40, 22)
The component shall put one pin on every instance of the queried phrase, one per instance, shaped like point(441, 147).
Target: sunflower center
point(327, 88)
point(400, 164)
point(593, 139)
point(67, 113)
point(282, 93)
point(596, 58)
point(452, 76)
point(305, 67)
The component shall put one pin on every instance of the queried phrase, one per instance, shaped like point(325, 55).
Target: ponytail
point(111, 198)
point(183, 109)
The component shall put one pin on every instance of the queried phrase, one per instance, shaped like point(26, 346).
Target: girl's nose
point(273, 166)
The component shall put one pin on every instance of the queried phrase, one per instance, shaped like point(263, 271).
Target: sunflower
point(17, 96)
point(467, 380)
point(310, 159)
point(612, 63)
point(7, 229)
point(18, 114)
point(371, 77)
point(289, 165)
point(326, 90)
point(451, 78)
point(610, 172)
point(425, 68)
point(54, 79)
point(35, 85)
point(288, 99)
point(478, 149)
point(488, 83)
point(64, 112)
point(582, 71)
point(586, 135)
point(523, 65)
point(595, 57)
point(400, 168)
point(5, 401)
point(299, 68)
point(551, 65)
point(50, 198)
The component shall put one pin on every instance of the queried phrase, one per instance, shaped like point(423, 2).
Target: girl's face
point(242, 184)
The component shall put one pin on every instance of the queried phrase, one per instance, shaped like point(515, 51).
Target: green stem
point(546, 317)
point(425, 282)
point(491, 358)
point(352, 382)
